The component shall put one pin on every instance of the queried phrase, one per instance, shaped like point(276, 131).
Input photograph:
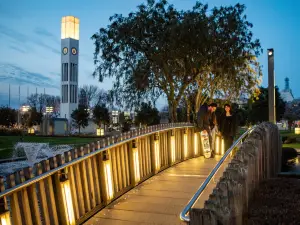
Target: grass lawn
point(285, 133)
point(7, 142)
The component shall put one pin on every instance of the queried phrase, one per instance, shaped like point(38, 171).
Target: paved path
point(160, 199)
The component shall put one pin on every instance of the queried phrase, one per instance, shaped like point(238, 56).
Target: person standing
point(228, 126)
point(204, 119)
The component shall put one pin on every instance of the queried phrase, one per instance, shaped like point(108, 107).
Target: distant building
point(287, 94)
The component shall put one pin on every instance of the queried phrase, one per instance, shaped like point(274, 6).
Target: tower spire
point(287, 84)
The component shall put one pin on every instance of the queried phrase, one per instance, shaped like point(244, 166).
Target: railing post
point(196, 143)
point(4, 212)
point(62, 192)
point(171, 147)
point(134, 163)
point(155, 153)
point(185, 144)
point(106, 178)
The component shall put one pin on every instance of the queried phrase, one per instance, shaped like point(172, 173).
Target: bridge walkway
point(160, 199)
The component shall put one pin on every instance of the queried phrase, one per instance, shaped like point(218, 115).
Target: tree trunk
point(188, 112)
point(172, 111)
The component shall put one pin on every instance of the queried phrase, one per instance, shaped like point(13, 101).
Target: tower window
point(73, 72)
point(64, 72)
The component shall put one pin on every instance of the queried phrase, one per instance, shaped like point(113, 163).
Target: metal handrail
point(78, 160)
point(184, 214)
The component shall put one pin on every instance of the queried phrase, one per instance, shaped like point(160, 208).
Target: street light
point(271, 86)
point(270, 51)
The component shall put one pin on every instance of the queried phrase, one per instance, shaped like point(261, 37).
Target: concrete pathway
point(160, 199)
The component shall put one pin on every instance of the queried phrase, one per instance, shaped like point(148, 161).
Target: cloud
point(25, 40)
point(44, 33)
point(13, 74)
point(55, 74)
point(18, 49)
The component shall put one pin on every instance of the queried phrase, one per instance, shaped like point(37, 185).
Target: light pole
point(271, 86)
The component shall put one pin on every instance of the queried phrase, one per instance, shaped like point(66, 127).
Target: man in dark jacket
point(204, 119)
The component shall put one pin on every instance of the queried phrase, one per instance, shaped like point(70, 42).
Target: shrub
point(288, 156)
point(10, 131)
point(290, 140)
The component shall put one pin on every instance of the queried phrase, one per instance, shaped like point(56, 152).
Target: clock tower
point(69, 66)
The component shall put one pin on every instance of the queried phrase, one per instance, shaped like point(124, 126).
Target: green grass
point(292, 145)
point(7, 142)
point(285, 133)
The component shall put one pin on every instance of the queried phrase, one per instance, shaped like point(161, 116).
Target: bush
point(290, 140)
point(10, 131)
point(284, 138)
point(288, 156)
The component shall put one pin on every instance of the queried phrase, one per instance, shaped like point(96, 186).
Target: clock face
point(74, 51)
point(65, 50)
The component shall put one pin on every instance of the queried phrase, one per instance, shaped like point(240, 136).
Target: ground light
point(196, 145)
point(67, 198)
point(222, 147)
point(217, 143)
point(108, 179)
point(156, 152)
point(185, 144)
point(5, 218)
point(173, 155)
point(136, 164)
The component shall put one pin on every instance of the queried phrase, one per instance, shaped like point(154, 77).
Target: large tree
point(89, 94)
point(160, 49)
point(145, 52)
point(35, 117)
point(258, 110)
point(8, 116)
point(80, 117)
point(101, 115)
point(41, 101)
point(147, 115)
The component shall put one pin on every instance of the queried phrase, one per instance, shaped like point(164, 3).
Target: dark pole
point(271, 86)
point(9, 95)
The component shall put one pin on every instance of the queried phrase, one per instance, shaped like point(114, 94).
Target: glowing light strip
point(66, 191)
point(217, 144)
point(157, 158)
point(185, 145)
point(108, 178)
point(173, 153)
point(136, 165)
point(222, 147)
point(196, 149)
point(5, 218)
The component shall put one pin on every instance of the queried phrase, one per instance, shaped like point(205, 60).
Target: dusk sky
point(30, 39)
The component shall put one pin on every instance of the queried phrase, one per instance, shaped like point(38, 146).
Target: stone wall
point(258, 158)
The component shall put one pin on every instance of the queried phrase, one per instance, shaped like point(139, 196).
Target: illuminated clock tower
point(69, 66)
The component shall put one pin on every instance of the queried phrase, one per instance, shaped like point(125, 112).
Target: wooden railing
point(258, 159)
point(69, 188)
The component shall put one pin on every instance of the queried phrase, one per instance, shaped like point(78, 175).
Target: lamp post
point(271, 86)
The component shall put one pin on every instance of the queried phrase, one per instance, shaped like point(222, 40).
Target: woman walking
point(228, 126)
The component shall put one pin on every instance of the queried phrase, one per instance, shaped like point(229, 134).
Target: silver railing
point(184, 215)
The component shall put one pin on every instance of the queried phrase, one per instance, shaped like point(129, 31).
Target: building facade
point(69, 66)
point(287, 94)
